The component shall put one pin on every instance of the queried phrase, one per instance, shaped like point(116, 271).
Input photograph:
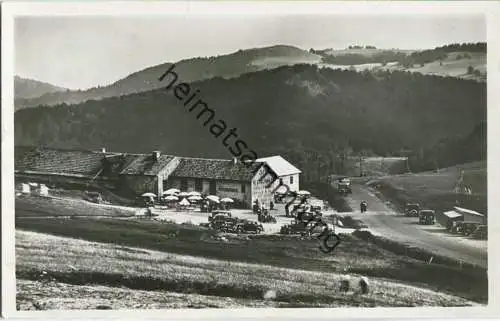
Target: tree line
point(318, 118)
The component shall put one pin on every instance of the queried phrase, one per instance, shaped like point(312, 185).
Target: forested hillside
point(307, 114)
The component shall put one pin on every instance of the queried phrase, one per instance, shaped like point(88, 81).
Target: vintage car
point(412, 209)
point(469, 227)
point(308, 216)
point(427, 217)
point(219, 212)
point(247, 226)
point(295, 227)
point(144, 201)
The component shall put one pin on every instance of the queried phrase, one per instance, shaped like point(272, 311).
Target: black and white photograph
point(166, 158)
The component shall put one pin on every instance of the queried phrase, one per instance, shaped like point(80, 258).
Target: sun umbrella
point(184, 202)
point(213, 198)
point(303, 193)
point(149, 195)
point(183, 194)
point(171, 198)
point(171, 191)
point(194, 198)
point(194, 193)
point(227, 200)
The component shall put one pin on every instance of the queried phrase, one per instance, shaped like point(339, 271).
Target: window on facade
point(184, 184)
point(198, 185)
point(291, 179)
point(243, 188)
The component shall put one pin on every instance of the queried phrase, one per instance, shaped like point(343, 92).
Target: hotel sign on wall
point(228, 189)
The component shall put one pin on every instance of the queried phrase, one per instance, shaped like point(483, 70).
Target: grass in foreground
point(352, 256)
point(81, 262)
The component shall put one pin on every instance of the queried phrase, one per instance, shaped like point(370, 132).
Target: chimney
point(156, 155)
point(103, 149)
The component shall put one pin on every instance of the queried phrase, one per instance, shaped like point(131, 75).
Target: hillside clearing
point(33, 206)
point(436, 189)
point(81, 262)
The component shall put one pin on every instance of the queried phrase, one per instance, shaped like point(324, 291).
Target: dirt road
point(383, 220)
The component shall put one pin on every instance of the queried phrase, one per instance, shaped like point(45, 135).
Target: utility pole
point(458, 186)
point(361, 159)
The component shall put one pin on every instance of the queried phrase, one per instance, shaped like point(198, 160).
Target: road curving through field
point(385, 221)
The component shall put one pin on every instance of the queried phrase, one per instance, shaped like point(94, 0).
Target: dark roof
point(144, 164)
point(44, 160)
point(214, 169)
point(114, 164)
point(85, 163)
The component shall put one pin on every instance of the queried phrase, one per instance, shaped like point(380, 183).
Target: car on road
point(266, 217)
point(412, 209)
point(427, 217)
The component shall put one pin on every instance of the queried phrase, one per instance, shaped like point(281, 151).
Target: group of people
point(261, 208)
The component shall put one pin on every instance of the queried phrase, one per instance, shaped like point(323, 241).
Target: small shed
point(452, 216)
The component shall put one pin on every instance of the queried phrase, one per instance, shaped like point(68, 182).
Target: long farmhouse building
point(134, 174)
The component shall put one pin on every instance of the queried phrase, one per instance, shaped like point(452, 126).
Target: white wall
point(233, 190)
point(265, 194)
point(223, 188)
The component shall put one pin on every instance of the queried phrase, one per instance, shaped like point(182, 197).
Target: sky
point(83, 52)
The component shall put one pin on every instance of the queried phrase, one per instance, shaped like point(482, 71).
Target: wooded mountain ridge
point(310, 115)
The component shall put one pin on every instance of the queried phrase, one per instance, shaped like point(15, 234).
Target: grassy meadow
point(150, 256)
point(435, 189)
point(78, 262)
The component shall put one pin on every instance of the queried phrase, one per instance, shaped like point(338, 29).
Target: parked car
point(221, 220)
point(481, 232)
point(412, 209)
point(469, 227)
point(247, 226)
point(294, 228)
point(308, 216)
point(427, 217)
point(94, 197)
